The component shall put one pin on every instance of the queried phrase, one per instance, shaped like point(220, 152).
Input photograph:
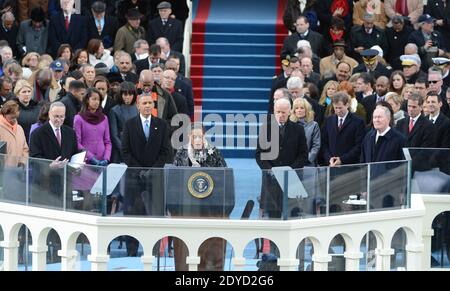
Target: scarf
point(8, 125)
point(93, 118)
point(340, 4)
point(198, 156)
point(401, 6)
point(336, 36)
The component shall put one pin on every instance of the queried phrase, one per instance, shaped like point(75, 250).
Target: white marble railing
point(287, 235)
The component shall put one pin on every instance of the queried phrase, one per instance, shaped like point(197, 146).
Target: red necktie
point(67, 23)
point(341, 124)
point(58, 136)
point(411, 124)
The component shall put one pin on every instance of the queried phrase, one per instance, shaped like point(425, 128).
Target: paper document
point(77, 160)
point(114, 173)
point(295, 186)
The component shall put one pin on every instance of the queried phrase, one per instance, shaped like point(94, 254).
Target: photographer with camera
point(430, 42)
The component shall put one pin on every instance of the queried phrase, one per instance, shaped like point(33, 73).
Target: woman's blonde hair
point(309, 113)
point(20, 84)
point(27, 58)
point(406, 87)
point(323, 96)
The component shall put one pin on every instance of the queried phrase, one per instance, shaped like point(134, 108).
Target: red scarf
point(401, 7)
point(336, 36)
point(340, 4)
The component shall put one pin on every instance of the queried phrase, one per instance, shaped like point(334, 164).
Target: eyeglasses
point(59, 116)
point(433, 81)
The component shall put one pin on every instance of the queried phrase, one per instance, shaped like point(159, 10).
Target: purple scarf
point(93, 118)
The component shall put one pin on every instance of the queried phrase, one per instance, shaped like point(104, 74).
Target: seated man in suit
point(145, 143)
point(52, 141)
point(288, 147)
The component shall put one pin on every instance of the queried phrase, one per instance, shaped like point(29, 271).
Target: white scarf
point(202, 156)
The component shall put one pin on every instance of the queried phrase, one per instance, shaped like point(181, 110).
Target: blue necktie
point(147, 129)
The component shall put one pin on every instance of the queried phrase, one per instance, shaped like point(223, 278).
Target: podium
point(199, 192)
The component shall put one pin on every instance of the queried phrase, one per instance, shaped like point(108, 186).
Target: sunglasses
point(434, 82)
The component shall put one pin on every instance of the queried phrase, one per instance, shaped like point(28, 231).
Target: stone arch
point(132, 247)
point(369, 242)
point(336, 249)
point(213, 253)
point(305, 250)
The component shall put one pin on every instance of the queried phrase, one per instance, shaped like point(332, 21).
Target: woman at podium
point(199, 153)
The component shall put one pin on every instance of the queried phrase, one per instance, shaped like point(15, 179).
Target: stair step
point(241, 153)
point(219, 27)
point(233, 37)
point(236, 48)
point(232, 81)
point(223, 92)
point(233, 70)
point(235, 60)
point(234, 104)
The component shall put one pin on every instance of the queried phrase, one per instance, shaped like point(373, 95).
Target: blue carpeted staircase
point(235, 48)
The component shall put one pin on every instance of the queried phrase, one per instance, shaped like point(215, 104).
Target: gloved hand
point(94, 161)
point(103, 163)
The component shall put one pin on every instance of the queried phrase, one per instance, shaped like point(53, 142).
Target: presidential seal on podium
point(200, 185)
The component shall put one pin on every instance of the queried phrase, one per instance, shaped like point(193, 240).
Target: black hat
point(164, 5)
point(133, 13)
point(425, 18)
point(339, 43)
point(101, 69)
point(114, 77)
point(98, 7)
point(37, 14)
point(369, 53)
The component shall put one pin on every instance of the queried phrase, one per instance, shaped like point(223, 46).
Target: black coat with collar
point(314, 38)
point(388, 148)
point(73, 106)
point(345, 143)
point(138, 152)
point(423, 134)
point(173, 31)
point(77, 36)
point(109, 31)
point(293, 150)
point(144, 64)
point(442, 125)
point(44, 145)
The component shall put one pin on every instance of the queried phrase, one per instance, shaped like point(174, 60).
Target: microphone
point(248, 209)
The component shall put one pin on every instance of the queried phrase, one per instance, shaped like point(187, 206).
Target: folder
point(295, 186)
point(114, 172)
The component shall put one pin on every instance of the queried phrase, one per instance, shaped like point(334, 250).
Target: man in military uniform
point(372, 65)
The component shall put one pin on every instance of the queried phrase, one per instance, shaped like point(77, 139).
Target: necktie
point(66, 22)
point(411, 124)
point(432, 120)
point(341, 123)
point(58, 136)
point(99, 27)
point(282, 127)
point(164, 22)
point(146, 129)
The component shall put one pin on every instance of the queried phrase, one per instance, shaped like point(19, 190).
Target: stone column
point(99, 262)
point(38, 253)
point(426, 238)
point(321, 262)
point(11, 251)
point(193, 263)
point(414, 256)
point(384, 259)
point(239, 263)
point(148, 262)
point(288, 264)
point(68, 260)
point(352, 260)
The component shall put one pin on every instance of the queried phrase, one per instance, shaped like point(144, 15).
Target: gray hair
point(139, 42)
point(282, 101)
point(8, 16)
point(56, 104)
point(411, 46)
point(294, 82)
